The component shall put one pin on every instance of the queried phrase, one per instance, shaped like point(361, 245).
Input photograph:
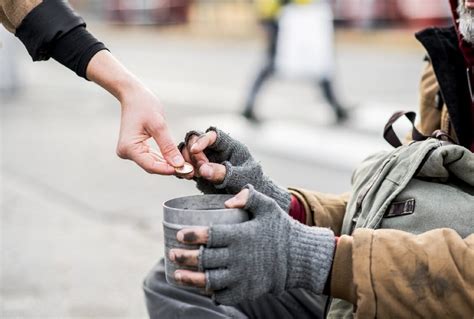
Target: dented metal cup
point(192, 211)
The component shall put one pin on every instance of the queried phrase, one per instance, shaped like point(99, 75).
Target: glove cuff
point(229, 172)
point(279, 194)
point(310, 253)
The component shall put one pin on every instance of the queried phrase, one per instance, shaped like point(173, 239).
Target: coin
point(185, 169)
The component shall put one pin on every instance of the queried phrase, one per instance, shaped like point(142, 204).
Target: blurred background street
point(80, 228)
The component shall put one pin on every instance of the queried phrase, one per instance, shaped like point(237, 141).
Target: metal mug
point(192, 211)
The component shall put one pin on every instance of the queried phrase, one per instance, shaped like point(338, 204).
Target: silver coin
point(185, 169)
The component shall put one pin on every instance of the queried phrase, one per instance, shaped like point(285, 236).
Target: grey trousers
point(165, 301)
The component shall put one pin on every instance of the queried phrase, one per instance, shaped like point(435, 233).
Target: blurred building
point(159, 12)
point(239, 15)
point(143, 12)
point(372, 13)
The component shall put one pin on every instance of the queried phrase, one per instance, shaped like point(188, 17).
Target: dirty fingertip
point(180, 236)
point(206, 171)
point(228, 203)
point(172, 255)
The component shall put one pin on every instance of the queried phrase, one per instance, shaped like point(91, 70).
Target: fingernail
point(180, 236)
point(206, 171)
point(172, 255)
point(177, 160)
point(229, 202)
point(193, 147)
point(177, 276)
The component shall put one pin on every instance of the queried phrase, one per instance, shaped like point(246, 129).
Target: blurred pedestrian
point(51, 29)
point(269, 14)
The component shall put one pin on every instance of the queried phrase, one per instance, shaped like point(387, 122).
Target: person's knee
point(164, 300)
point(155, 279)
point(157, 292)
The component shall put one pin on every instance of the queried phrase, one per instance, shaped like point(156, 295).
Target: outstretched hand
point(142, 117)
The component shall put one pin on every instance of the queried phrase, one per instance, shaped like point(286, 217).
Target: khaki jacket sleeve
point(429, 112)
point(323, 210)
point(389, 273)
point(12, 12)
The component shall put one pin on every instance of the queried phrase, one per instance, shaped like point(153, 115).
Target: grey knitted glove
point(270, 253)
point(241, 169)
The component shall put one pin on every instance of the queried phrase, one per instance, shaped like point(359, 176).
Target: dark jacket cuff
point(53, 29)
point(76, 49)
point(44, 25)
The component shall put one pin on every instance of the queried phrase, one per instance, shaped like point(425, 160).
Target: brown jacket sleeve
point(12, 12)
point(323, 210)
point(389, 273)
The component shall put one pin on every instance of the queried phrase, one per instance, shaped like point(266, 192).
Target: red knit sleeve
point(297, 210)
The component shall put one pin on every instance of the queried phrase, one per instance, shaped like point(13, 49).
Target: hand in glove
point(270, 253)
point(224, 165)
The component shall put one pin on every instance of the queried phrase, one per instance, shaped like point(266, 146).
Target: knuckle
point(150, 170)
point(156, 125)
point(122, 151)
point(181, 258)
point(147, 166)
point(167, 148)
point(196, 158)
point(190, 236)
point(192, 139)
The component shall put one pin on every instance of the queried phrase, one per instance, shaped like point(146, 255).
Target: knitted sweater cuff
point(311, 251)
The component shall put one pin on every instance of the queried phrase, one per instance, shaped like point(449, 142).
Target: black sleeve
point(53, 29)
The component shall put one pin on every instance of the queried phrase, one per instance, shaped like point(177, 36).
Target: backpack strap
point(392, 138)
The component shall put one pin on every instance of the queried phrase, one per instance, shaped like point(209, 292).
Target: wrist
point(128, 89)
point(279, 194)
point(105, 70)
point(311, 251)
point(297, 210)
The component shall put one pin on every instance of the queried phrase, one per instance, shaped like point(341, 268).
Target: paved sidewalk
point(58, 263)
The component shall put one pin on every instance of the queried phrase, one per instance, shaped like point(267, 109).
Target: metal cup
point(192, 211)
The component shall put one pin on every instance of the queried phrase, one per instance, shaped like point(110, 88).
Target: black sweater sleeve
point(53, 29)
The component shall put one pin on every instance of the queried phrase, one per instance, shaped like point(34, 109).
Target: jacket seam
point(371, 277)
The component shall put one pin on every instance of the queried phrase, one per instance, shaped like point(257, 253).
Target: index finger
point(195, 235)
point(198, 158)
point(168, 148)
point(203, 142)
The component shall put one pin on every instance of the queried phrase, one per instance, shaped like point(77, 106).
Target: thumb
point(260, 204)
point(167, 146)
point(213, 172)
